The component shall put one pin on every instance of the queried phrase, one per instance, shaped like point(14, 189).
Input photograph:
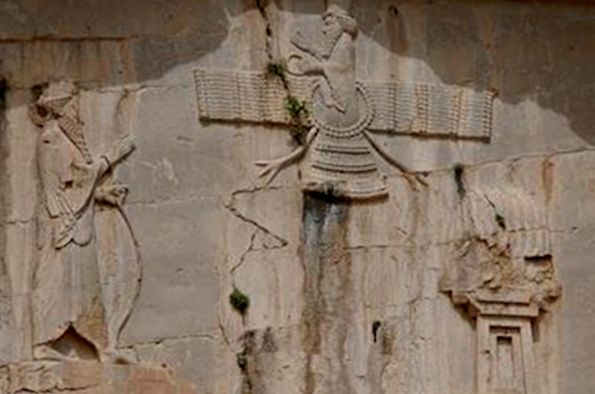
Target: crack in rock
point(231, 207)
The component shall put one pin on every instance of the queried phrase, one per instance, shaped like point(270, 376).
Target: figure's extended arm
point(391, 160)
point(300, 42)
point(297, 65)
point(272, 167)
point(120, 150)
point(111, 192)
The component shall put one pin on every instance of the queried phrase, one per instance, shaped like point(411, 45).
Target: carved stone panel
point(322, 197)
point(502, 275)
point(505, 359)
point(70, 313)
point(317, 90)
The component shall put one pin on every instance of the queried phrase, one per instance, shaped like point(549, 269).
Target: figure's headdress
point(56, 95)
point(58, 98)
point(348, 23)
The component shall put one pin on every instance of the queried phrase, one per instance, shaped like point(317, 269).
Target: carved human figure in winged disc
point(339, 149)
point(340, 159)
point(67, 293)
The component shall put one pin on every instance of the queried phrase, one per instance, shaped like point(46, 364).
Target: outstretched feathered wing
point(404, 108)
point(432, 110)
point(248, 96)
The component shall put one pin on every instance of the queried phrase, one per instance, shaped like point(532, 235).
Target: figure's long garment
point(68, 293)
point(67, 285)
point(344, 165)
point(340, 160)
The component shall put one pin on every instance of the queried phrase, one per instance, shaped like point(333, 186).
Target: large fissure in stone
point(328, 292)
point(256, 360)
point(5, 285)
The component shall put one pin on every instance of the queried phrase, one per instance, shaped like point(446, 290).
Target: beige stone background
point(205, 221)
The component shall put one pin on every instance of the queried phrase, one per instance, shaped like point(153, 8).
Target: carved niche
point(502, 275)
point(317, 88)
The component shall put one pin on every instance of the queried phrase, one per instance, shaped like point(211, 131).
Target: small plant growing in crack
point(458, 170)
point(296, 108)
point(501, 220)
point(277, 69)
point(298, 112)
point(239, 301)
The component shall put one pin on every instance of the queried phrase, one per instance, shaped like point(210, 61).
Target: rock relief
point(501, 274)
point(88, 274)
point(70, 315)
point(317, 87)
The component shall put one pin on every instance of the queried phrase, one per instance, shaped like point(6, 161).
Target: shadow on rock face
point(538, 51)
point(105, 43)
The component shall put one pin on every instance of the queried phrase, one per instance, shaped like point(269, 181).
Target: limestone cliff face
point(316, 197)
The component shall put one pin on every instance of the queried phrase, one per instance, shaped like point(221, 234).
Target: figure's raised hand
point(299, 41)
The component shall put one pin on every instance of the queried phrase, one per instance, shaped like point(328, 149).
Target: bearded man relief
point(339, 153)
point(69, 312)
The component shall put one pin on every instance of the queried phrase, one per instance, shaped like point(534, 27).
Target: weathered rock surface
point(420, 218)
point(89, 377)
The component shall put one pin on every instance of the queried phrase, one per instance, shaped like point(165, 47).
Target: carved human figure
point(342, 112)
point(67, 293)
point(334, 60)
point(341, 161)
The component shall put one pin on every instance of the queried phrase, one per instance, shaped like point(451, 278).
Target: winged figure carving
point(343, 110)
